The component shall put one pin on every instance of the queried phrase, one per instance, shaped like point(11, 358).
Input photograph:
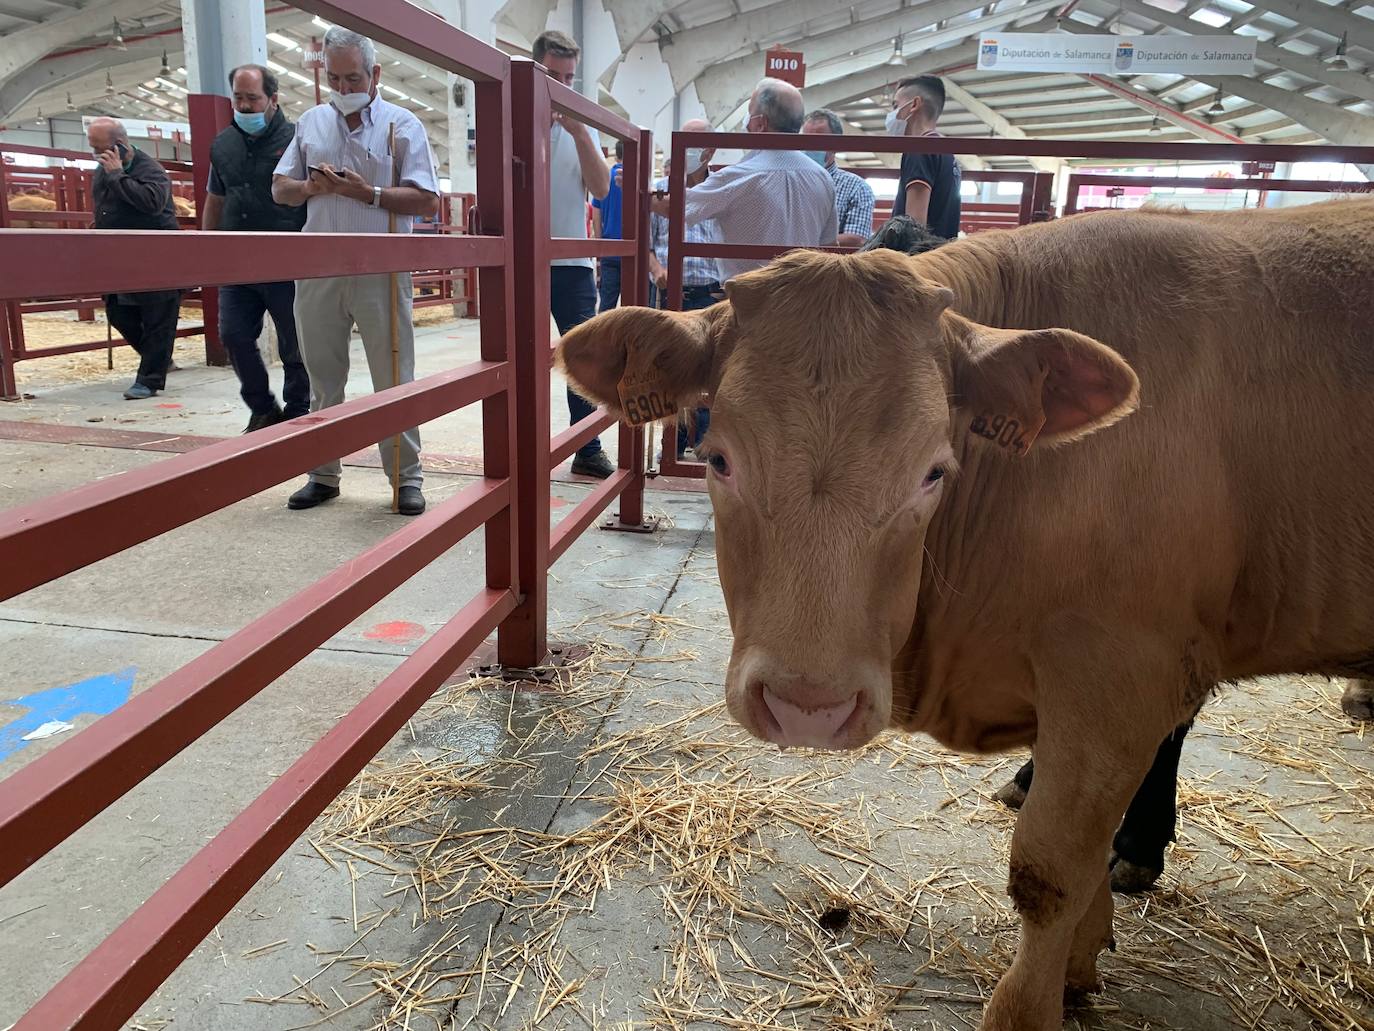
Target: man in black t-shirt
point(928, 191)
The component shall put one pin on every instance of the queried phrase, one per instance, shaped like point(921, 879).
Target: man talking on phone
point(355, 162)
point(131, 191)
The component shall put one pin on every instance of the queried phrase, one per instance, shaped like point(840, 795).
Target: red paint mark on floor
point(557, 502)
point(169, 405)
point(399, 632)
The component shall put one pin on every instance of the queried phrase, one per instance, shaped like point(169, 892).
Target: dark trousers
point(241, 310)
point(610, 283)
point(694, 298)
point(572, 299)
point(149, 323)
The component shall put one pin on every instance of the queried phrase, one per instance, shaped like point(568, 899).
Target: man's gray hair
point(780, 104)
point(336, 37)
point(829, 117)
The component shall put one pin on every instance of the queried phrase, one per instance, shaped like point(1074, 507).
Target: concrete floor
point(467, 906)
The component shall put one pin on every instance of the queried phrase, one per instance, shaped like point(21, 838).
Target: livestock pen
point(479, 772)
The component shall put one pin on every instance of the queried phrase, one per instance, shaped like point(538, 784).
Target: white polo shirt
point(567, 192)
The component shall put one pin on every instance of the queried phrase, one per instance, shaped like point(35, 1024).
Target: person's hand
point(619, 176)
point(661, 278)
point(571, 124)
point(659, 205)
point(110, 160)
point(320, 180)
point(355, 186)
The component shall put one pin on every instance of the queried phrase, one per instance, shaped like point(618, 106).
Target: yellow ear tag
point(644, 396)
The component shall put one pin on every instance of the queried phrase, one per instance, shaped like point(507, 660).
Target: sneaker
point(410, 502)
point(597, 465)
point(262, 420)
point(139, 392)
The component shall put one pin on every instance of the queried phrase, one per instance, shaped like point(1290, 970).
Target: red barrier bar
point(586, 512)
point(570, 102)
point(107, 987)
point(568, 247)
point(634, 287)
point(217, 259)
point(208, 114)
point(565, 444)
point(46, 801)
point(52, 537)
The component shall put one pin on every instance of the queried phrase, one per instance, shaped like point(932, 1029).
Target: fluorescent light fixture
point(299, 77)
point(171, 85)
point(320, 22)
point(278, 68)
point(395, 92)
point(283, 41)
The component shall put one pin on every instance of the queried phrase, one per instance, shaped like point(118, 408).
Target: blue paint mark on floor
point(97, 696)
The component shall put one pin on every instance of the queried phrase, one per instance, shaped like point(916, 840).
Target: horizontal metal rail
point(570, 102)
point(100, 259)
point(52, 797)
point(567, 443)
point(108, 986)
point(570, 247)
point(52, 537)
point(587, 511)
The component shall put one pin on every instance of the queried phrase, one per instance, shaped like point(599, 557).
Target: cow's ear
point(1051, 385)
point(641, 362)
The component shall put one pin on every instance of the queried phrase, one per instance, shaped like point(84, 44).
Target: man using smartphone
point(132, 191)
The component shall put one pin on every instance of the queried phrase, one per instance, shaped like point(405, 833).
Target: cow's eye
point(935, 476)
point(718, 463)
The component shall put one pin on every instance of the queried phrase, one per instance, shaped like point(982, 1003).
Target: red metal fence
point(51, 798)
point(1035, 196)
point(1079, 181)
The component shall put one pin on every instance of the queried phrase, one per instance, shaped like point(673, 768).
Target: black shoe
point(312, 494)
point(410, 502)
point(262, 420)
point(291, 413)
point(597, 465)
point(139, 392)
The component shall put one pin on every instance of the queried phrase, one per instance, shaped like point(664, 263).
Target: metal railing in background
point(54, 796)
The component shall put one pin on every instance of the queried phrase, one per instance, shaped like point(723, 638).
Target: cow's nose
point(795, 726)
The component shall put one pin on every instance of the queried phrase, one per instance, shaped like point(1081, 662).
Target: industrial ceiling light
point(166, 68)
point(109, 85)
point(896, 59)
point(70, 105)
point(1217, 108)
point(1155, 128)
point(1337, 62)
point(117, 40)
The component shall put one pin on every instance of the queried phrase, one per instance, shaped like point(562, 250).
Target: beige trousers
point(326, 312)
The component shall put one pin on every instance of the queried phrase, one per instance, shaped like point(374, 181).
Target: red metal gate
point(51, 798)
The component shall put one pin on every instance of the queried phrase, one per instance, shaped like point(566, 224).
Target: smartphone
point(323, 171)
point(123, 151)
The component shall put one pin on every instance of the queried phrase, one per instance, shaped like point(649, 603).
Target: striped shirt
point(853, 202)
point(323, 137)
point(695, 271)
point(768, 197)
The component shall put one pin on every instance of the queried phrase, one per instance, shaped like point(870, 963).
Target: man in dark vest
point(131, 191)
point(242, 158)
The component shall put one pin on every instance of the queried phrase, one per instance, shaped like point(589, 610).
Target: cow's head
point(840, 388)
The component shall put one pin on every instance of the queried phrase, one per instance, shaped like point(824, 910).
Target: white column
point(220, 36)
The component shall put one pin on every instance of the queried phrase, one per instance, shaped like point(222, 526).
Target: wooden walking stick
point(395, 331)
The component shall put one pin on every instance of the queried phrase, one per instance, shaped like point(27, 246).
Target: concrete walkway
point(610, 851)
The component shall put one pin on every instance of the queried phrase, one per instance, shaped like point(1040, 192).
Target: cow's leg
point(1013, 793)
point(1358, 700)
point(1093, 749)
point(1150, 822)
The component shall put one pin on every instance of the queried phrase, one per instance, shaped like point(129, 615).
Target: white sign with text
point(1117, 55)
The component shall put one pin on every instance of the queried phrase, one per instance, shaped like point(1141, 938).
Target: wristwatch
point(376, 197)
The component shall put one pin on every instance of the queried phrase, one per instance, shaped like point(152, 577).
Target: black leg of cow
point(1013, 793)
point(1151, 821)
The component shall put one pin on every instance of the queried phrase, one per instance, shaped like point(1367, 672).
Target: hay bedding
point(766, 895)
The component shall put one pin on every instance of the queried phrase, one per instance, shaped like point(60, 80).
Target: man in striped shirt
point(341, 168)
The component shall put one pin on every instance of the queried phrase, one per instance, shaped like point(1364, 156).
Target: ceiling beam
point(1148, 102)
point(1327, 18)
point(996, 122)
point(29, 46)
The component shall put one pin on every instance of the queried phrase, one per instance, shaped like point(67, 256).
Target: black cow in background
point(1150, 823)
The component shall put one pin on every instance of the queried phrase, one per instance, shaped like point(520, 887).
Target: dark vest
point(147, 178)
point(245, 164)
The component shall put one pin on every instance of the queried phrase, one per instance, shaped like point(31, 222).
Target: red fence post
point(9, 386)
point(208, 114)
point(522, 640)
point(634, 289)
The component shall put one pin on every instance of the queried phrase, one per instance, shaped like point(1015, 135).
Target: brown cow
point(931, 522)
point(31, 202)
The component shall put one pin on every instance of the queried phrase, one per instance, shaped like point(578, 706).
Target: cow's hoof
point(1131, 878)
point(1012, 795)
point(1358, 700)
point(1076, 995)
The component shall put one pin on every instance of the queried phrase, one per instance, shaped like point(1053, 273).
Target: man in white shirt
point(770, 196)
point(341, 168)
point(576, 168)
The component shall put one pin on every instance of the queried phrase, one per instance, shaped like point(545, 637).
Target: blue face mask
point(817, 156)
point(251, 122)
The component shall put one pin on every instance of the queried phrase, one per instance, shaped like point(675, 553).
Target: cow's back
point(1233, 509)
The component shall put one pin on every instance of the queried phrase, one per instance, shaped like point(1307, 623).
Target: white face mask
point(349, 103)
point(895, 126)
point(696, 157)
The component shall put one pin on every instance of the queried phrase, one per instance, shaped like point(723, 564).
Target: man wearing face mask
point(132, 191)
point(341, 165)
point(853, 196)
point(928, 190)
point(242, 158)
point(770, 196)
